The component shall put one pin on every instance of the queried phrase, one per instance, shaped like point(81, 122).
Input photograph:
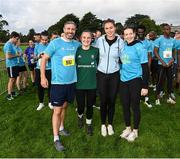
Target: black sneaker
point(80, 122)
point(9, 97)
point(64, 133)
point(59, 147)
point(89, 129)
point(14, 94)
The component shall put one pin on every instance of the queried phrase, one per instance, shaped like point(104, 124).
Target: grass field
point(25, 132)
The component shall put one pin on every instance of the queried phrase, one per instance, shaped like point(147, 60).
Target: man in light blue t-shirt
point(148, 49)
point(61, 51)
point(11, 62)
point(164, 51)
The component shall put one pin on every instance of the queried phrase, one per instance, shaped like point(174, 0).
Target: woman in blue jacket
point(110, 46)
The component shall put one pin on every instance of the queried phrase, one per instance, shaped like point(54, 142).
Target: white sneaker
point(41, 105)
point(157, 102)
point(171, 101)
point(125, 133)
point(110, 130)
point(161, 94)
point(154, 89)
point(151, 86)
point(103, 130)
point(50, 106)
point(94, 106)
point(172, 95)
point(132, 136)
point(149, 105)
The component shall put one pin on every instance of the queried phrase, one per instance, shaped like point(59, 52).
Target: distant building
point(174, 28)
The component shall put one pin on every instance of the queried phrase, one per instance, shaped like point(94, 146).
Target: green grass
point(25, 132)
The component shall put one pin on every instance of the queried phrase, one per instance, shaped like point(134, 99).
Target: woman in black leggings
point(110, 46)
point(133, 82)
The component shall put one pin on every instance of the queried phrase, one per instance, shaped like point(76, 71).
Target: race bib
point(39, 62)
point(167, 54)
point(68, 60)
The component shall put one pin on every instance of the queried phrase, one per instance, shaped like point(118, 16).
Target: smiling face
point(69, 31)
point(110, 29)
point(129, 35)
point(86, 39)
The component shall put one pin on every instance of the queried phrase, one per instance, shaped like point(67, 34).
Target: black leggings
point(108, 85)
point(130, 94)
point(165, 72)
point(85, 98)
point(38, 83)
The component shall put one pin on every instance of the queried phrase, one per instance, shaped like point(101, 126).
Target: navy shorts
point(22, 68)
point(13, 72)
point(62, 93)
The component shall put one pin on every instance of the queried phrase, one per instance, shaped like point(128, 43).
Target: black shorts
point(22, 68)
point(13, 72)
point(62, 93)
point(38, 76)
point(32, 67)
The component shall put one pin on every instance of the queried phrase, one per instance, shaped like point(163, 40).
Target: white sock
point(128, 127)
point(88, 121)
point(61, 128)
point(56, 137)
point(146, 98)
point(135, 130)
point(80, 116)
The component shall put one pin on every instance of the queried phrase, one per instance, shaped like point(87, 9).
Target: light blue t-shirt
point(62, 54)
point(147, 46)
point(177, 47)
point(20, 59)
point(152, 48)
point(132, 57)
point(39, 48)
point(10, 48)
point(166, 46)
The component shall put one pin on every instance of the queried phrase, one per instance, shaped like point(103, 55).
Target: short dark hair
point(14, 35)
point(37, 34)
point(44, 33)
point(164, 25)
point(54, 33)
point(141, 27)
point(109, 21)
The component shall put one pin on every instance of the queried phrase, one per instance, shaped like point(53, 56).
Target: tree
point(60, 24)
point(4, 34)
point(31, 34)
point(119, 28)
point(2, 22)
point(150, 25)
point(90, 22)
point(134, 20)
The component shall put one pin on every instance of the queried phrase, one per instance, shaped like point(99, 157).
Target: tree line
point(88, 21)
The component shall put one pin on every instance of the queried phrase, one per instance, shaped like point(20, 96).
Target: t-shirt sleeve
point(142, 53)
point(50, 50)
point(7, 48)
point(157, 42)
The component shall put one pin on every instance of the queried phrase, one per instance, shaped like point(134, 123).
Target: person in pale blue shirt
point(11, 62)
point(164, 51)
point(38, 51)
point(62, 52)
point(177, 59)
point(154, 61)
point(22, 78)
point(148, 49)
point(134, 76)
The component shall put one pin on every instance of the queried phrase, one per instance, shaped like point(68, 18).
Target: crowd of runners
point(105, 64)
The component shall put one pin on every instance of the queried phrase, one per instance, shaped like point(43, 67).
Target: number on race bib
point(68, 61)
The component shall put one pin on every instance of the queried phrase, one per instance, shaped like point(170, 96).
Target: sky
point(23, 15)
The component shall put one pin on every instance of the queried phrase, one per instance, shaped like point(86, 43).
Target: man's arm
point(10, 56)
point(156, 52)
point(44, 60)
